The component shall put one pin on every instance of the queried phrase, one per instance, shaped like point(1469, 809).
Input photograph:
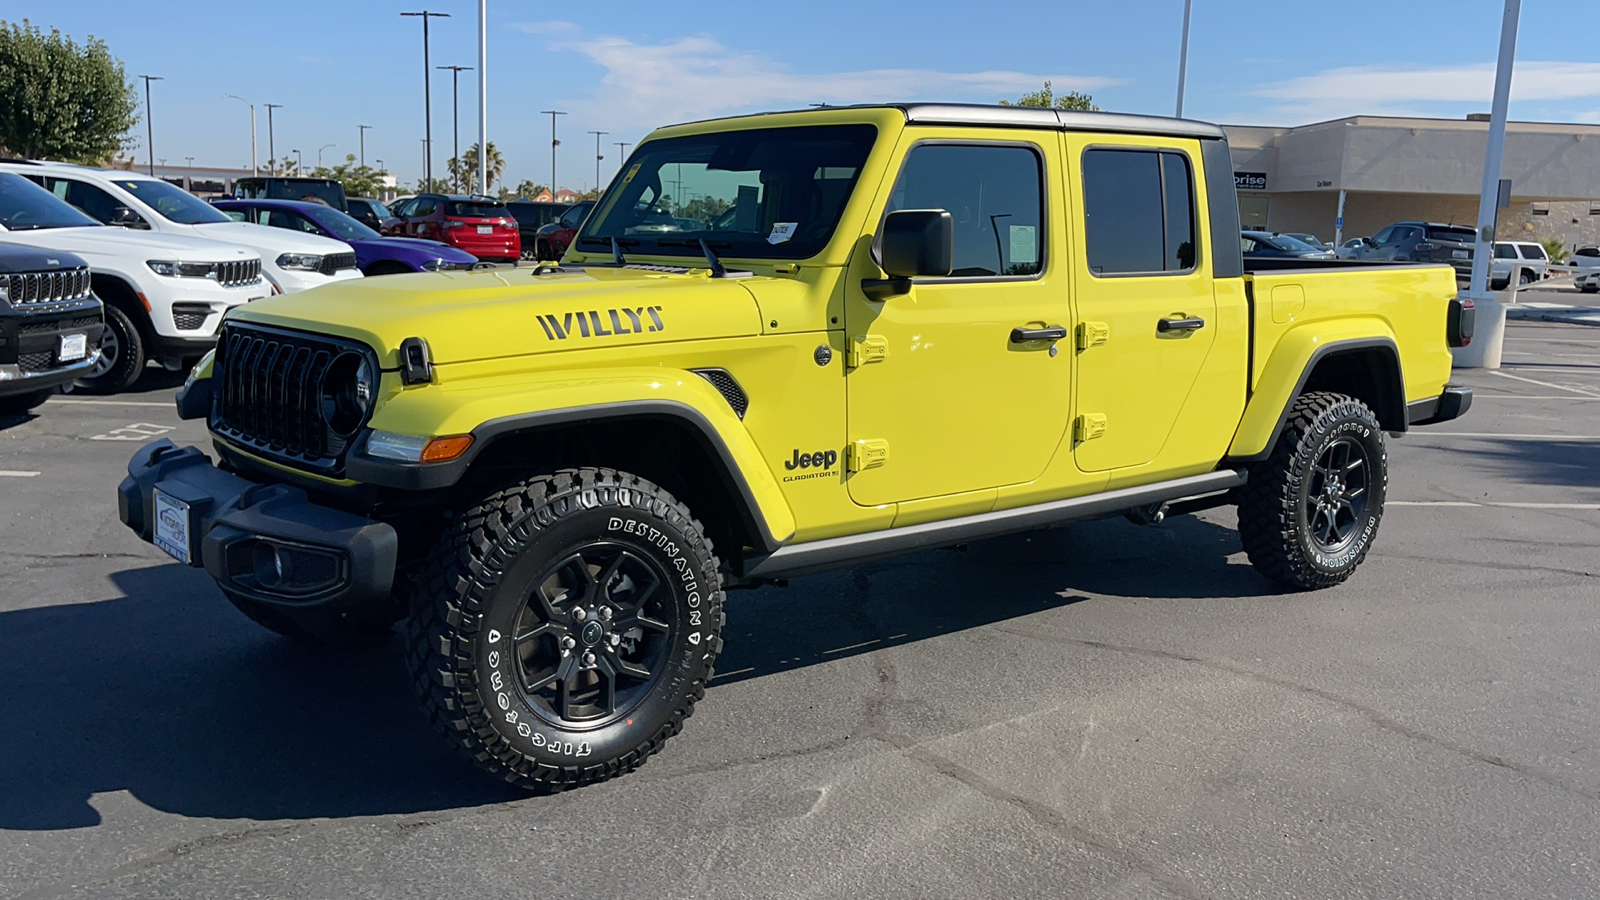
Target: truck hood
point(497, 313)
point(270, 242)
point(105, 242)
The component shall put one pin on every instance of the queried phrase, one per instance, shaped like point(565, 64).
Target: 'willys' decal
point(593, 323)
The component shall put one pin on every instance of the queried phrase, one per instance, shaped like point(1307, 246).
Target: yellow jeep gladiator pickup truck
point(781, 344)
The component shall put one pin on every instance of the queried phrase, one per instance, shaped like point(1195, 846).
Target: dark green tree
point(62, 100)
point(358, 181)
point(1048, 99)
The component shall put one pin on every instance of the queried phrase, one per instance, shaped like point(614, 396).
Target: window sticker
point(782, 232)
point(1024, 244)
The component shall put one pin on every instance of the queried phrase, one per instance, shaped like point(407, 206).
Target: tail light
point(1424, 247)
point(1460, 322)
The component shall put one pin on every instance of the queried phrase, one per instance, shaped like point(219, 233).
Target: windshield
point(24, 206)
point(343, 227)
point(172, 202)
point(766, 193)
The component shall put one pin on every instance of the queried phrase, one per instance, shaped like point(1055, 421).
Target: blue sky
point(624, 67)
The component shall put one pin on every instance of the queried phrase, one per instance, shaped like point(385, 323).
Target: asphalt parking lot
point(1099, 711)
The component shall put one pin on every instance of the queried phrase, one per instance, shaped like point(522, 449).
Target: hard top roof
point(1030, 117)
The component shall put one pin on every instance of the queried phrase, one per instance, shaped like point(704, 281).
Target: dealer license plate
point(73, 346)
point(172, 526)
point(486, 229)
point(1460, 254)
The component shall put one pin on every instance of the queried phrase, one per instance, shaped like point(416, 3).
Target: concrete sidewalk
point(1540, 311)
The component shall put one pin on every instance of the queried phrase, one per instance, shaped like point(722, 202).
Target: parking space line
point(1559, 387)
point(1479, 396)
point(1481, 435)
point(1506, 505)
point(12, 473)
point(65, 402)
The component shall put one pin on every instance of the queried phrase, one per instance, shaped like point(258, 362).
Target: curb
point(1577, 315)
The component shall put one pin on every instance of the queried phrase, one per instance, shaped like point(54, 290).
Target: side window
point(95, 203)
point(572, 218)
point(234, 214)
point(1138, 211)
point(1383, 236)
point(423, 206)
point(1532, 251)
point(1504, 251)
point(995, 194)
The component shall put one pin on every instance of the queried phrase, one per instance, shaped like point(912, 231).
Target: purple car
point(375, 254)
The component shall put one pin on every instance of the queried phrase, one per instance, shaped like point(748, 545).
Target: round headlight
point(347, 393)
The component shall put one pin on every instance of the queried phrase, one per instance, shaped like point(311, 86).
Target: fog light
point(271, 569)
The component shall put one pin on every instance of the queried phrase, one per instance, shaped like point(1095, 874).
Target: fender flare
point(1297, 356)
point(684, 398)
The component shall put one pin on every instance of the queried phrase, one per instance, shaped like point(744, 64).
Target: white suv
point(1587, 260)
point(292, 261)
point(164, 294)
point(1532, 261)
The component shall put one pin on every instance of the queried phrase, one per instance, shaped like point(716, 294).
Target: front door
point(1147, 314)
point(941, 399)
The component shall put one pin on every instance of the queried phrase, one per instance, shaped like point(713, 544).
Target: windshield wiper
point(616, 245)
point(717, 269)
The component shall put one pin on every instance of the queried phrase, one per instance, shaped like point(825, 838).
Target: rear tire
point(1310, 511)
point(541, 251)
point(563, 628)
point(122, 355)
point(1526, 277)
point(22, 403)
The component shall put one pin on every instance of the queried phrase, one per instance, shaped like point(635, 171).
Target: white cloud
point(1398, 90)
point(693, 77)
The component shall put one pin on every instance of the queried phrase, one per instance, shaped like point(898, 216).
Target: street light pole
point(149, 121)
point(455, 122)
point(483, 94)
point(597, 157)
point(622, 153)
point(363, 130)
point(254, 169)
point(319, 153)
point(552, 113)
point(427, 94)
point(1183, 54)
point(1486, 346)
point(272, 149)
point(299, 162)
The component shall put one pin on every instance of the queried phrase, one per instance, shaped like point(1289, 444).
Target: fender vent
point(727, 387)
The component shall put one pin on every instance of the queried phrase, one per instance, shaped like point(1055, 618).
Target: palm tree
point(466, 168)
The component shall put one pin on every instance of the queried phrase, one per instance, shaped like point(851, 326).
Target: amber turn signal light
point(444, 449)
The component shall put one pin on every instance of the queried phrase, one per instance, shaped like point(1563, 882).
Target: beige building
point(1386, 169)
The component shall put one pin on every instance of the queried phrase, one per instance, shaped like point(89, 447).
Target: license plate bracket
point(72, 347)
point(1460, 254)
point(486, 229)
point(172, 532)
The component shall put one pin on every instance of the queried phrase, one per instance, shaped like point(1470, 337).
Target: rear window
point(1504, 251)
point(1532, 251)
point(1462, 235)
point(476, 209)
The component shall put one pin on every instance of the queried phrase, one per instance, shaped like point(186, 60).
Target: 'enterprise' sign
point(1250, 181)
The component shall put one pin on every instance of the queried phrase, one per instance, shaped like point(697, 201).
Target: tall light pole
point(597, 157)
point(254, 169)
point(552, 113)
point(363, 130)
point(299, 163)
point(1183, 54)
point(272, 150)
point(455, 122)
point(622, 153)
point(483, 94)
point(1486, 344)
point(427, 94)
point(190, 160)
point(319, 153)
point(149, 123)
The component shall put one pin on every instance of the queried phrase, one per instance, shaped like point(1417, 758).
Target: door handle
point(1190, 323)
point(1051, 333)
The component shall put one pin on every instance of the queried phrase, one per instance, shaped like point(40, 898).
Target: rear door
point(1143, 293)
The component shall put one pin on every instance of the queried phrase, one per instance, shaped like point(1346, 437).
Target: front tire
point(564, 627)
point(1310, 511)
point(122, 356)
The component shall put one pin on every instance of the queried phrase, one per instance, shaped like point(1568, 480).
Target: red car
point(551, 240)
point(481, 226)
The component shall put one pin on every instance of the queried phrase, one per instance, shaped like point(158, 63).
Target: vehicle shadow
point(1556, 463)
point(170, 694)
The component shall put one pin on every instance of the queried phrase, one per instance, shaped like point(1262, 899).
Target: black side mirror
point(124, 217)
point(915, 242)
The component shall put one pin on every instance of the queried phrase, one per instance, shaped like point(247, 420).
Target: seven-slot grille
point(39, 288)
point(244, 271)
point(267, 388)
point(333, 262)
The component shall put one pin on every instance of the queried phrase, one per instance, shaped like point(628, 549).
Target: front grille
point(267, 393)
point(333, 262)
point(43, 361)
point(727, 387)
point(230, 274)
point(78, 324)
point(38, 288)
point(189, 316)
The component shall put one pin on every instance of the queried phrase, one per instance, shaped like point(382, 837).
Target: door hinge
point(1088, 427)
point(863, 455)
point(1093, 334)
point(868, 348)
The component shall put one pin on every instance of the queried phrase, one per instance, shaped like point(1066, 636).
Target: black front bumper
point(1452, 404)
point(266, 543)
point(29, 345)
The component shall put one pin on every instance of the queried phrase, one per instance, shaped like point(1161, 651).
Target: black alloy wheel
point(1336, 495)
